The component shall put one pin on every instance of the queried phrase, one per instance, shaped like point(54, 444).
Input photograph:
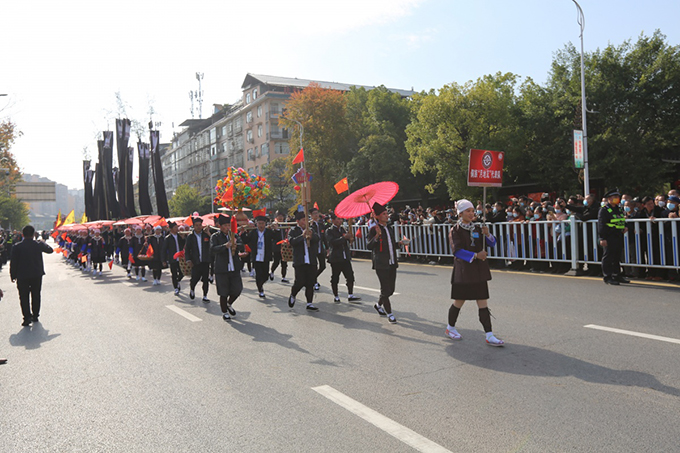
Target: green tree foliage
point(13, 212)
point(278, 173)
point(188, 199)
point(322, 114)
point(482, 114)
point(377, 120)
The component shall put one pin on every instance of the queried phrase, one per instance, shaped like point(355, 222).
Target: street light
point(586, 174)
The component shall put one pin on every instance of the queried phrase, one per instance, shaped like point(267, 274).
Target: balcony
point(273, 114)
point(278, 135)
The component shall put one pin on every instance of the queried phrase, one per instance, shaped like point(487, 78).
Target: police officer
point(611, 226)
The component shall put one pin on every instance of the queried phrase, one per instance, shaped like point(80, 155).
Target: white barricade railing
point(647, 243)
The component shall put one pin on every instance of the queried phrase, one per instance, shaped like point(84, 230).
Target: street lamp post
point(586, 174)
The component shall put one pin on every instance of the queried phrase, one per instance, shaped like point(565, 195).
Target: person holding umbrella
point(470, 270)
point(383, 246)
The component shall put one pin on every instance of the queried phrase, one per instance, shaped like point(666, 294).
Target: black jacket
point(191, 248)
point(380, 249)
point(251, 240)
point(170, 248)
point(220, 251)
point(584, 213)
point(299, 243)
point(320, 229)
point(338, 245)
point(27, 260)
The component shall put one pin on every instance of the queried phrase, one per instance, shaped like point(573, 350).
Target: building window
point(281, 148)
point(274, 108)
point(250, 154)
point(224, 147)
point(249, 117)
point(259, 130)
point(249, 136)
point(265, 149)
point(213, 150)
point(248, 98)
point(259, 111)
point(254, 94)
point(257, 170)
point(250, 170)
point(224, 131)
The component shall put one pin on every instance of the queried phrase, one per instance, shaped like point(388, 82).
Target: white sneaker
point(252, 273)
point(176, 291)
point(453, 334)
point(144, 279)
point(99, 273)
point(137, 278)
point(129, 275)
point(491, 340)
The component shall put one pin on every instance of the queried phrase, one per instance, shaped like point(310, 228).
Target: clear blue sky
point(64, 61)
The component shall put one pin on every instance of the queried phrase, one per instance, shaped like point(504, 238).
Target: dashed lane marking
point(388, 425)
point(183, 313)
point(633, 334)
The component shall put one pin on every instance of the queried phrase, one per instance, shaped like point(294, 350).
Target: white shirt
point(230, 268)
point(389, 243)
point(176, 241)
point(260, 246)
point(199, 236)
point(306, 249)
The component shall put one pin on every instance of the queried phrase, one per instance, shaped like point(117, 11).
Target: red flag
point(110, 264)
point(228, 195)
point(188, 221)
point(316, 206)
point(83, 259)
point(63, 236)
point(234, 225)
point(160, 222)
point(359, 234)
point(68, 239)
point(149, 251)
point(131, 258)
point(247, 249)
point(342, 186)
point(300, 157)
point(259, 212)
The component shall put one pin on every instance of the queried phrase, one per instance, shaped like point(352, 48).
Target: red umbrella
point(360, 202)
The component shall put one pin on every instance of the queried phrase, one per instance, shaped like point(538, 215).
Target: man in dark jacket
point(305, 243)
point(26, 267)
point(611, 226)
point(340, 258)
point(383, 246)
point(259, 241)
point(197, 255)
point(318, 225)
point(173, 244)
point(224, 246)
point(589, 211)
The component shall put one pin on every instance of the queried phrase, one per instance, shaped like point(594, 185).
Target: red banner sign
point(485, 168)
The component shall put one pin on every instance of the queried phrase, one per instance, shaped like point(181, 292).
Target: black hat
point(196, 219)
point(613, 192)
point(313, 210)
point(299, 215)
point(171, 224)
point(262, 218)
point(223, 219)
point(333, 216)
point(378, 208)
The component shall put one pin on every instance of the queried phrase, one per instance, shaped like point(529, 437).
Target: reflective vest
point(617, 221)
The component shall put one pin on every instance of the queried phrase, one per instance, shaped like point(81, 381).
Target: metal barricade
point(647, 243)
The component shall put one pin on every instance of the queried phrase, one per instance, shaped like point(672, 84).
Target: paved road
point(112, 368)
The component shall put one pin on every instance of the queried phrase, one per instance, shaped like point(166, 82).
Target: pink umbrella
point(361, 201)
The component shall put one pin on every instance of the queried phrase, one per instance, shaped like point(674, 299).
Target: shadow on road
point(531, 361)
point(32, 337)
point(265, 334)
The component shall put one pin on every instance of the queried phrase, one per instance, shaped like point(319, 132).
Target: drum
point(287, 252)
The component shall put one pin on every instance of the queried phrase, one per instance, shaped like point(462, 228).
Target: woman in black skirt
point(470, 270)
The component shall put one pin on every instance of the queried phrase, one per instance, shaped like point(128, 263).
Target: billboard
point(485, 168)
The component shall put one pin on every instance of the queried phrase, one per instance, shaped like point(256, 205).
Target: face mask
point(521, 204)
point(603, 204)
point(495, 211)
point(568, 212)
point(558, 211)
point(514, 214)
point(545, 210)
point(671, 206)
point(627, 209)
point(585, 202)
point(536, 217)
point(662, 204)
point(479, 212)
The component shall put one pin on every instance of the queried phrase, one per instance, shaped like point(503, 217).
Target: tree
point(13, 212)
point(322, 114)
point(482, 114)
point(278, 174)
point(377, 120)
point(186, 200)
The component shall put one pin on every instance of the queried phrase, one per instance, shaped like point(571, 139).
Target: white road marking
point(181, 312)
point(388, 425)
point(366, 289)
point(634, 334)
